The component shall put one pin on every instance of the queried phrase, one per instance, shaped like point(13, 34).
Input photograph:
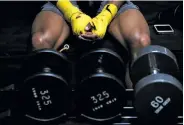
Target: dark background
point(17, 18)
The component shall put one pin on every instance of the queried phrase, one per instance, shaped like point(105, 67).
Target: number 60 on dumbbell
point(158, 93)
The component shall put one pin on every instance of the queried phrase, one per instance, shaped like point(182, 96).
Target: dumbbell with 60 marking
point(101, 88)
point(158, 93)
point(44, 94)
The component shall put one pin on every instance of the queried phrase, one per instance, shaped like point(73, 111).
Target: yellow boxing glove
point(103, 19)
point(78, 19)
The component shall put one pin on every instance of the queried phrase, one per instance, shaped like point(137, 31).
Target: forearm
point(74, 3)
point(74, 16)
point(110, 10)
point(68, 8)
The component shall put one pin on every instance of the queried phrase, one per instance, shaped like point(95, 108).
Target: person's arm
point(110, 9)
point(103, 19)
point(67, 8)
point(74, 15)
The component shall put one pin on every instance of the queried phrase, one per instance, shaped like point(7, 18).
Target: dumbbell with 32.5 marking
point(100, 85)
point(44, 92)
point(100, 97)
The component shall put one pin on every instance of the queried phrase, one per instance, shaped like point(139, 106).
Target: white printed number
point(159, 103)
point(100, 97)
point(44, 92)
point(45, 97)
point(156, 103)
point(94, 99)
point(47, 102)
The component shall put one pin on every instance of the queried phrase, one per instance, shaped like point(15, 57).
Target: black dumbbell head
point(100, 85)
point(158, 97)
point(99, 60)
point(102, 97)
point(158, 93)
point(153, 59)
point(45, 91)
point(47, 59)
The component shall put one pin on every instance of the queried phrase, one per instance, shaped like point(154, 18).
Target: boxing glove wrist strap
point(108, 13)
point(67, 8)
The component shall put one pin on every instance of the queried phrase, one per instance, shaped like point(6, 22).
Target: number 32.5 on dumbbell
point(158, 93)
point(44, 94)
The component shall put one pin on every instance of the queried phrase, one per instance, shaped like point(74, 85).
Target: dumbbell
point(44, 93)
point(158, 93)
point(100, 85)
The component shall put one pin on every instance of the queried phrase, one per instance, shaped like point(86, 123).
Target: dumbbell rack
point(129, 117)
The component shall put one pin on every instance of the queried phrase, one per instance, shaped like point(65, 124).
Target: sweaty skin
point(129, 27)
